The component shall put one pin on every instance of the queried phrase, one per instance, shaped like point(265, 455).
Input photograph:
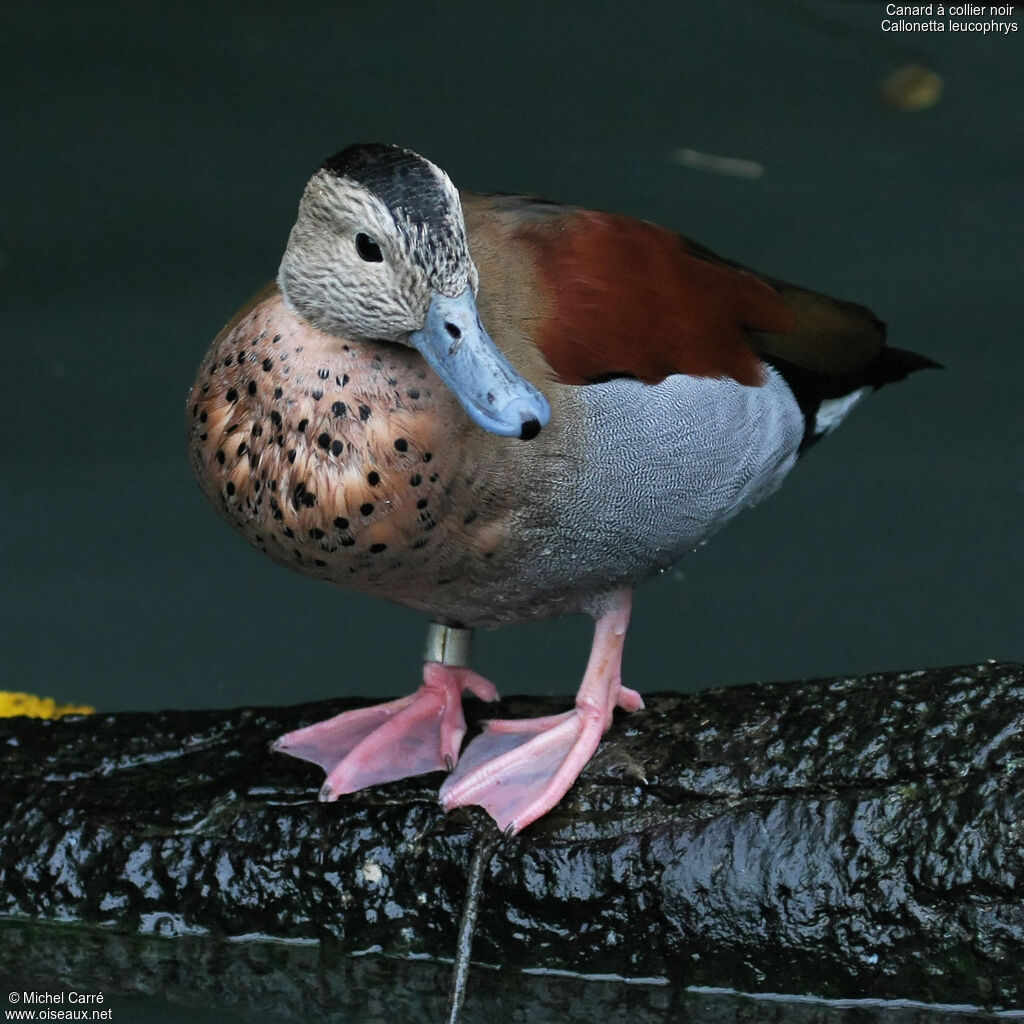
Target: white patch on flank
point(832, 411)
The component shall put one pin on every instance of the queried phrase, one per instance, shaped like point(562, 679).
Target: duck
point(496, 409)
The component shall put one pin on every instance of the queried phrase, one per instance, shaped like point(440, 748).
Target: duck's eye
point(368, 249)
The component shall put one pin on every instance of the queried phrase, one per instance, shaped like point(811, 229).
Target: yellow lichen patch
point(12, 704)
point(910, 88)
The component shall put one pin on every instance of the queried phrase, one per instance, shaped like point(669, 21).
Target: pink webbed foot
point(409, 736)
point(518, 770)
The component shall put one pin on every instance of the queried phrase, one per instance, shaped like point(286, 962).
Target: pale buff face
point(418, 231)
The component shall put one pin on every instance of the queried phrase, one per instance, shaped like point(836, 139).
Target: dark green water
point(163, 981)
point(153, 156)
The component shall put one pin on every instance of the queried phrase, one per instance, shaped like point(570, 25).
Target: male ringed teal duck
point(496, 409)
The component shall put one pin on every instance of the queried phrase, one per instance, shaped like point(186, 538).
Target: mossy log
point(852, 837)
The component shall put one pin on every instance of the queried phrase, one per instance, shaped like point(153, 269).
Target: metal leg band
point(448, 645)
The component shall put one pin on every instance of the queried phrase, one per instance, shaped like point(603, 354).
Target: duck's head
point(379, 253)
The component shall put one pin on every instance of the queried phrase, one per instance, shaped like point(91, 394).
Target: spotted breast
point(493, 409)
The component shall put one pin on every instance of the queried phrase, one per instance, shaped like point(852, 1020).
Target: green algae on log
point(845, 837)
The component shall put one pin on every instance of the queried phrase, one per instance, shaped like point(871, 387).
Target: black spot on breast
point(316, 394)
point(366, 509)
point(341, 522)
point(338, 409)
point(324, 440)
point(268, 365)
point(364, 412)
point(303, 423)
point(376, 549)
point(232, 395)
point(337, 447)
point(252, 387)
point(401, 445)
point(373, 478)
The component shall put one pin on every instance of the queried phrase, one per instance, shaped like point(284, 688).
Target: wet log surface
point(848, 838)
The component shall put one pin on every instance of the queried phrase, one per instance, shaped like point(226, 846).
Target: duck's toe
point(410, 736)
point(518, 770)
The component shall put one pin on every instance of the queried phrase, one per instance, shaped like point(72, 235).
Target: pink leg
point(409, 736)
point(518, 770)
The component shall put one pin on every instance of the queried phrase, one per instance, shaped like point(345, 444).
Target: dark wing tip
point(895, 364)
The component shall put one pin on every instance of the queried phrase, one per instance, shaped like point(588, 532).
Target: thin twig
point(482, 855)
